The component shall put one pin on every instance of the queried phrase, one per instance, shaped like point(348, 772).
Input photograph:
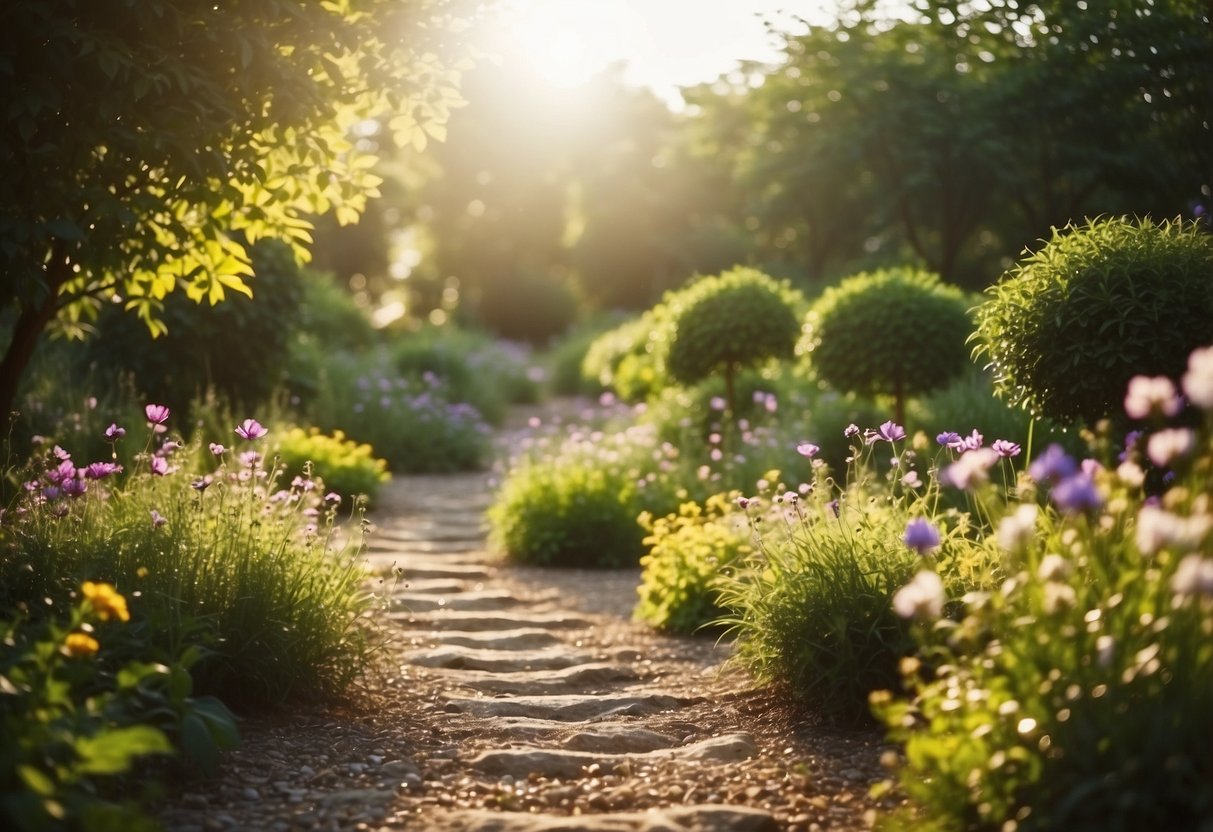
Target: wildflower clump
point(1070, 324)
point(1074, 694)
point(345, 467)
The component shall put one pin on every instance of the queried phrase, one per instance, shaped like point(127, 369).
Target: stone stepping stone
point(455, 551)
point(570, 707)
point(434, 570)
point(437, 534)
point(569, 764)
point(579, 678)
point(499, 661)
point(617, 737)
point(522, 638)
point(469, 601)
point(703, 818)
point(434, 586)
point(479, 622)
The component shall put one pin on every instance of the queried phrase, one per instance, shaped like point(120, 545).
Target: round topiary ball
point(1070, 324)
point(724, 323)
point(899, 332)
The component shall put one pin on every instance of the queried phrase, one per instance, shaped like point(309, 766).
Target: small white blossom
point(1151, 394)
point(921, 597)
point(1193, 576)
point(1053, 567)
point(1018, 529)
point(1198, 380)
point(1166, 446)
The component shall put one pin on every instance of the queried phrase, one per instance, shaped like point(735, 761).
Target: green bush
point(212, 556)
point(725, 323)
point(328, 320)
point(238, 347)
point(1070, 324)
point(626, 359)
point(345, 467)
point(897, 332)
point(565, 358)
point(687, 552)
point(528, 307)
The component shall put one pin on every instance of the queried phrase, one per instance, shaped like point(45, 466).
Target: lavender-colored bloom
point(101, 470)
point(160, 466)
point(60, 454)
point(890, 431)
point(1053, 465)
point(51, 492)
point(1149, 395)
point(851, 430)
point(834, 506)
point(921, 535)
point(157, 414)
point(202, 483)
point(158, 519)
point(169, 447)
point(250, 459)
point(250, 429)
point(1005, 448)
point(217, 449)
point(64, 470)
point(949, 439)
point(743, 503)
point(970, 469)
point(1130, 441)
point(113, 433)
point(807, 449)
point(1076, 494)
point(717, 403)
point(74, 487)
point(973, 441)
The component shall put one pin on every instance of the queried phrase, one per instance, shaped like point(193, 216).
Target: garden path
point(526, 700)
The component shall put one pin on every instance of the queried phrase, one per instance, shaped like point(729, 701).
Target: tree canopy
point(149, 143)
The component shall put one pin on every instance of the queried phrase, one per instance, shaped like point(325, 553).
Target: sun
point(567, 42)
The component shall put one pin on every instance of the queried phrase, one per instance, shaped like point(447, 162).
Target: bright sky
point(664, 43)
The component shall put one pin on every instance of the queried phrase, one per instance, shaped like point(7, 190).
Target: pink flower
point(158, 519)
point(1005, 448)
point(1151, 394)
point(160, 466)
point(114, 433)
point(807, 449)
point(1198, 380)
point(251, 429)
point(1168, 445)
point(217, 449)
point(157, 414)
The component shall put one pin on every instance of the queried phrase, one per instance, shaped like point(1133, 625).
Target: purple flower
point(160, 466)
point(1076, 494)
point(114, 433)
point(851, 430)
point(74, 487)
point(251, 429)
point(64, 470)
point(60, 454)
point(973, 441)
point(921, 535)
point(158, 519)
point(743, 503)
point(217, 449)
point(949, 439)
point(332, 497)
point(1005, 448)
point(157, 414)
point(1130, 441)
point(250, 459)
point(717, 403)
point(970, 469)
point(101, 470)
point(834, 506)
point(890, 431)
point(1054, 465)
point(202, 483)
point(807, 449)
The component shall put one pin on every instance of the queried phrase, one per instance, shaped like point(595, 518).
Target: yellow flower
point(106, 601)
point(80, 645)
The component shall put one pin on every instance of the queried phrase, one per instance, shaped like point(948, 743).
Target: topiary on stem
point(728, 322)
point(1070, 324)
point(897, 332)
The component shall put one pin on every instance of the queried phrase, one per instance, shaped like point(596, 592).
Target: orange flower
point(80, 645)
point(106, 601)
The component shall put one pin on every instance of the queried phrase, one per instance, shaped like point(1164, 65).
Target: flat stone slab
point(705, 818)
point(434, 569)
point(430, 534)
point(481, 622)
point(569, 764)
point(520, 638)
point(571, 707)
point(437, 586)
point(483, 600)
point(579, 678)
point(617, 737)
point(499, 661)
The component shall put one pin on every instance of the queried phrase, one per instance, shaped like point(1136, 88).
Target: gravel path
point(526, 700)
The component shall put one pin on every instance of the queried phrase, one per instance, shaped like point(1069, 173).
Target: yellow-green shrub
point(346, 467)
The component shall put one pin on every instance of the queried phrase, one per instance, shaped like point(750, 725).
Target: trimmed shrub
point(725, 323)
point(1070, 324)
point(625, 359)
point(897, 332)
point(688, 551)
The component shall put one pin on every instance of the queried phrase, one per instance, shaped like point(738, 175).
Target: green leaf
point(113, 751)
point(198, 745)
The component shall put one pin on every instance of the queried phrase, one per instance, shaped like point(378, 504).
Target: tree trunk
point(28, 329)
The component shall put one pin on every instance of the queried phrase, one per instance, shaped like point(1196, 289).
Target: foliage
point(565, 357)
point(527, 306)
point(576, 502)
point(79, 712)
point(687, 552)
point(737, 319)
point(209, 347)
point(625, 359)
point(412, 422)
point(898, 332)
point(149, 150)
point(345, 467)
point(1075, 696)
point(217, 556)
point(1070, 324)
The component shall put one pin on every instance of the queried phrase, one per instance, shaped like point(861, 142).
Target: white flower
point(1150, 394)
point(1193, 576)
point(1198, 381)
point(1058, 597)
point(1168, 445)
point(971, 468)
point(1130, 474)
point(1105, 649)
point(1158, 529)
point(1018, 529)
point(1053, 568)
point(921, 597)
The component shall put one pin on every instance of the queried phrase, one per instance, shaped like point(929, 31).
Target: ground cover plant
point(347, 468)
